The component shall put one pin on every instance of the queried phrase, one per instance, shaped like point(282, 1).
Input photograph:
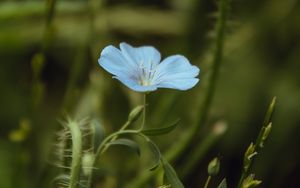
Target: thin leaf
point(170, 175)
point(160, 131)
point(126, 142)
point(223, 184)
point(155, 153)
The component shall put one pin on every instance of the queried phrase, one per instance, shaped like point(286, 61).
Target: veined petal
point(139, 68)
point(134, 85)
point(144, 56)
point(181, 84)
point(174, 68)
point(112, 60)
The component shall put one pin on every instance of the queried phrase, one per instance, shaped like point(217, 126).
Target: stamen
point(147, 73)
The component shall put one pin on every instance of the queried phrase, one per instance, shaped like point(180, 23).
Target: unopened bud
point(135, 113)
point(213, 167)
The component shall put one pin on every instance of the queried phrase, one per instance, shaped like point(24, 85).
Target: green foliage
point(213, 167)
point(160, 131)
point(170, 175)
point(49, 50)
point(126, 142)
point(135, 113)
point(250, 182)
point(223, 184)
point(155, 154)
point(254, 149)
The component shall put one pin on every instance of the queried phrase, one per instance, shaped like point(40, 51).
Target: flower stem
point(175, 152)
point(242, 179)
point(259, 140)
point(144, 111)
point(207, 182)
point(76, 154)
point(103, 147)
point(116, 136)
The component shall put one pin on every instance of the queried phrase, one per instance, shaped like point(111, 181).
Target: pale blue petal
point(112, 60)
point(180, 84)
point(133, 84)
point(175, 67)
point(137, 67)
point(144, 56)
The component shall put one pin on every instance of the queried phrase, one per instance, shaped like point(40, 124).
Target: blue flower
point(140, 68)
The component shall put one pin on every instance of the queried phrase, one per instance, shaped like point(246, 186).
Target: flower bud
point(213, 167)
point(135, 113)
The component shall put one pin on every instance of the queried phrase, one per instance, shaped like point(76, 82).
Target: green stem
point(50, 11)
point(181, 146)
point(242, 179)
point(76, 153)
point(116, 136)
point(207, 182)
point(144, 111)
point(266, 122)
point(102, 148)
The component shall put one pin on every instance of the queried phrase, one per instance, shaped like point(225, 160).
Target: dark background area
point(50, 71)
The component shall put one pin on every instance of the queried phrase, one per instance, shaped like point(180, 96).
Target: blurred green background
point(49, 69)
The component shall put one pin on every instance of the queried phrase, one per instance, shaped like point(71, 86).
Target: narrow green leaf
point(170, 175)
point(265, 134)
point(155, 153)
point(160, 131)
point(126, 142)
point(223, 184)
point(270, 111)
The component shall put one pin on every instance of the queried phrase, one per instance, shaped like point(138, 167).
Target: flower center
point(147, 73)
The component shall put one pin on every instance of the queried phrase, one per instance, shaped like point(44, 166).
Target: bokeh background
point(49, 70)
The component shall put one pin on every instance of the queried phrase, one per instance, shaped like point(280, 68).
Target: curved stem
point(207, 182)
point(102, 148)
point(116, 136)
point(175, 152)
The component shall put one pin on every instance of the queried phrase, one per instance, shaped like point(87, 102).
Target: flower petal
point(175, 67)
point(181, 84)
point(134, 85)
point(146, 56)
point(112, 60)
